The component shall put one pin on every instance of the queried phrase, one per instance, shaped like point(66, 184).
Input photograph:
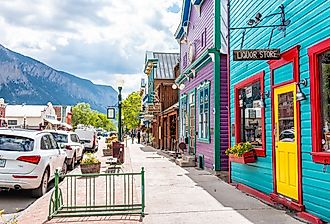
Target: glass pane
point(324, 66)
point(15, 143)
point(286, 117)
point(251, 117)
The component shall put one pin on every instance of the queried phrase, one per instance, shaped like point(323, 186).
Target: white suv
point(28, 160)
point(71, 144)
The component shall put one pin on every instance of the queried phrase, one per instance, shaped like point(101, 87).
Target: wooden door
point(286, 150)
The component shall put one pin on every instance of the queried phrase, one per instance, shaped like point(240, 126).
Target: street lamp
point(120, 84)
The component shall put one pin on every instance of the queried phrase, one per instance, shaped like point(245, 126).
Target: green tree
point(131, 108)
point(83, 114)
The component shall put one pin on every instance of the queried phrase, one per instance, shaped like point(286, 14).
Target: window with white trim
point(204, 111)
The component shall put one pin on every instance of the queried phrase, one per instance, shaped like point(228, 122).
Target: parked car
point(88, 137)
point(70, 142)
point(28, 160)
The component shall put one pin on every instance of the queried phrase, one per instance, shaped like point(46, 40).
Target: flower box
point(90, 168)
point(247, 157)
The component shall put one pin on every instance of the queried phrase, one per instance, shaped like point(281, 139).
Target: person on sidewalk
point(139, 136)
point(132, 136)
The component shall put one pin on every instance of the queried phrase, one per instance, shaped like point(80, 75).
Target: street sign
point(256, 54)
point(111, 113)
point(154, 108)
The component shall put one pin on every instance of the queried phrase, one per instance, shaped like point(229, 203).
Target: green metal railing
point(97, 195)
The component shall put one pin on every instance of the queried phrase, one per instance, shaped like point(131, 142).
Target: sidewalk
point(173, 195)
point(177, 195)
point(37, 213)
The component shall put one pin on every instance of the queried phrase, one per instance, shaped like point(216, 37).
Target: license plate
point(2, 162)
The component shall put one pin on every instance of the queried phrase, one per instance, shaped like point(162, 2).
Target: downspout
point(216, 86)
point(228, 86)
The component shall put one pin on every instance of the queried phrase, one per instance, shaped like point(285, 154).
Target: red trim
point(272, 200)
point(310, 218)
point(313, 53)
point(257, 77)
point(25, 177)
point(254, 192)
point(287, 203)
point(289, 56)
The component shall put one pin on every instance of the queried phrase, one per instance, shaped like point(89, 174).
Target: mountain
point(26, 80)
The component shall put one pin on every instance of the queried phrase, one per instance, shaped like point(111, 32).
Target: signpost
point(256, 54)
point(111, 113)
point(154, 108)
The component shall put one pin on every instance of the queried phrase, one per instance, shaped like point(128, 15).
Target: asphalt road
point(17, 200)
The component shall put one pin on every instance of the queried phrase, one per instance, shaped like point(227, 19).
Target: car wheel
point(42, 189)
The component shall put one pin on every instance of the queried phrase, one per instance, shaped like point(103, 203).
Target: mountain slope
point(25, 80)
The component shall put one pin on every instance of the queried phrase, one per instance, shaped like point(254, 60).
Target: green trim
point(217, 120)
point(192, 91)
point(201, 88)
point(198, 63)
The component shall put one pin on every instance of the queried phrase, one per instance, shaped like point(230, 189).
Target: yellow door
point(285, 129)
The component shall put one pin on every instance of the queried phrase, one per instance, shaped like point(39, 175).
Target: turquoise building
point(280, 101)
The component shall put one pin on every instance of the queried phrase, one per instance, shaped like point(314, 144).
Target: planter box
point(248, 157)
point(90, 168)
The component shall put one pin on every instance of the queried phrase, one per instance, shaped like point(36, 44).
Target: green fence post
point(56, 190)
point(142, 191)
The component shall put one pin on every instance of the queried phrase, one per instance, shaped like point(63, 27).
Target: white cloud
point(100, 40)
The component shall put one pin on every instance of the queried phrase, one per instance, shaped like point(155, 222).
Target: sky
point(100, 40)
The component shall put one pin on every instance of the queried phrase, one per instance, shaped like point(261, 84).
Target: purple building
point(203, 81)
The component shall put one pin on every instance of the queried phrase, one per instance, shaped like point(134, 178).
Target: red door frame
point(289, 56)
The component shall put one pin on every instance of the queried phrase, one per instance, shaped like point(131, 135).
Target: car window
point(15, 143)
point(74, 138)
point(46, 142)
point(53, 142)
point(60, 138)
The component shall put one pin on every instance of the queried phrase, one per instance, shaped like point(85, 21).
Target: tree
point(83, 114)
point(131, 108)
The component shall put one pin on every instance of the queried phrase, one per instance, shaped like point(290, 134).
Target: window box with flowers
point(241, 153)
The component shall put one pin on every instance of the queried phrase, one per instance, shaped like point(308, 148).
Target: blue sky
point(101, 40)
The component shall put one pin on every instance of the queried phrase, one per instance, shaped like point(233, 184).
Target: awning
point(52, 121)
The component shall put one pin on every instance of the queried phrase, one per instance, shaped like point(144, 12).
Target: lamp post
point(120, 87)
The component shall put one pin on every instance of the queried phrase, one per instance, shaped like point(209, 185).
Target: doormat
point(148, 149)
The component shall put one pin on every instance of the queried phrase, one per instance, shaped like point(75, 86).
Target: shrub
point(89, 158)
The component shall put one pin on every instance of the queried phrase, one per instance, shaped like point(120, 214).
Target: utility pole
point(119, 114)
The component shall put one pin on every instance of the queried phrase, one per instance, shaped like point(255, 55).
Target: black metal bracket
point(254, 24)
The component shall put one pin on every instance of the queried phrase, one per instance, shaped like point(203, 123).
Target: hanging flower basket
point(247, 157)
point(241, 153)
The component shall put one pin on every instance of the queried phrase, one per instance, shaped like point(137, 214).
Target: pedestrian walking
point(139, 136)
point(132, 136)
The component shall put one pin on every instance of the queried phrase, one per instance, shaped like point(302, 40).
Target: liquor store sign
point(256, 54)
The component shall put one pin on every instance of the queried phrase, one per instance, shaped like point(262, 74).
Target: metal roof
point(165, 65)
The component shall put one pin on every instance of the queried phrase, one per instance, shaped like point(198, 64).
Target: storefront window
point(204, 111)
point(319, 65)
point(250, 110)
point(324, 68)
point(249, 113)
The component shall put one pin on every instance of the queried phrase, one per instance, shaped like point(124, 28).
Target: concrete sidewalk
point(177, 195)
point(173, 195)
